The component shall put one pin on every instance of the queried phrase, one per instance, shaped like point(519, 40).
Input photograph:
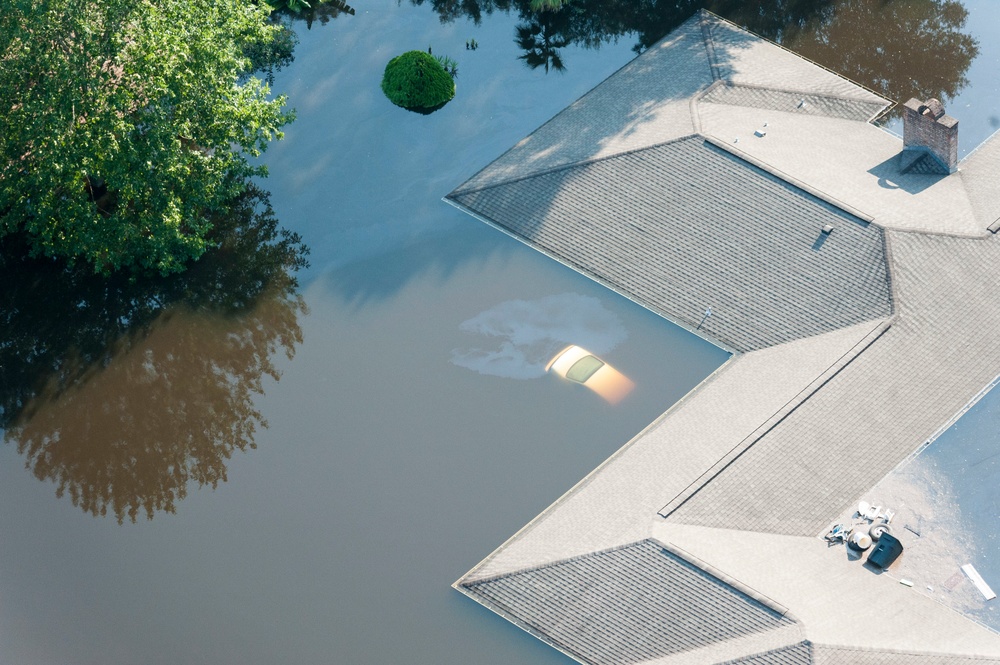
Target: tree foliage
point(417, 81)
point(126, 390)
point(128, 124)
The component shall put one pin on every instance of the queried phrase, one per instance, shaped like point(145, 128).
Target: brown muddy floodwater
point(302, 468)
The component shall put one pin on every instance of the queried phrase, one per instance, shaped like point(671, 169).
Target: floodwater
point(948, 512)
point(413, 427)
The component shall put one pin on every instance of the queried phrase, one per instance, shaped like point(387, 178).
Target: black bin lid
point(888, 550)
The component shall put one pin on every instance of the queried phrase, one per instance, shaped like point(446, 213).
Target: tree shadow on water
point(898, 48)
point(122, 391)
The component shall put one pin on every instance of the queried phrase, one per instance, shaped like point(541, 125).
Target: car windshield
point(583, 369)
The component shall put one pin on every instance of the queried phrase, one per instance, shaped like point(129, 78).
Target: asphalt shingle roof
point(941, 350)
point(635, 107)
point(744, 58)
point(978, 172)
point(922, 163)
point(792, 101)
point(684, 226)
point(659, 187)
point(855, 163)
point(796, 654)
point(626, 605)
point(806, 653)
point(826, 655)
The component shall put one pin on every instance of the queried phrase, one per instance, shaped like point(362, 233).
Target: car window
point(583, 369)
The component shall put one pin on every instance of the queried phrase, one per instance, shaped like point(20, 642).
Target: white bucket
point(859, 540)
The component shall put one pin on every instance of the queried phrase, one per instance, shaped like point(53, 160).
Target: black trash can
point(887, 551)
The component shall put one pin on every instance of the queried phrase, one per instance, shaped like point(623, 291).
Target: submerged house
point(852, 276)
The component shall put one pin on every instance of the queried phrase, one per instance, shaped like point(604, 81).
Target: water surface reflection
point(899, 48)
point(948, 511)
point(387, 470)
point(530, 331)
point(124, 391)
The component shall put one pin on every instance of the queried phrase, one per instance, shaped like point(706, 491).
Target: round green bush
point(418, 82)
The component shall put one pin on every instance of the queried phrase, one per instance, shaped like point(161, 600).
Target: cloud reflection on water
point(530, 332)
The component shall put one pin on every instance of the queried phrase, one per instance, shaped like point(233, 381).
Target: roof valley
point(729, 195)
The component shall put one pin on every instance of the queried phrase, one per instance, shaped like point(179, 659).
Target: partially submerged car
point(578, 365)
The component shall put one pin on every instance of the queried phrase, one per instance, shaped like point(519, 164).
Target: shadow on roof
point(890, 177)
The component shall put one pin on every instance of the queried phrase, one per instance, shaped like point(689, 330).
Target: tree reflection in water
point(123, 391)
point(899, 48)
point(541, 40)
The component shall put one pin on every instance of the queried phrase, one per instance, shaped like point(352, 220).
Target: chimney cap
point(932, 107)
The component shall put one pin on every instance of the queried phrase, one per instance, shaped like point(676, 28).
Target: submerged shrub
point(417, 81)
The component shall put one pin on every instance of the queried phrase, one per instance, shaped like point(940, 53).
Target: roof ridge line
point(564, 167)
point(630, 63)
point(742, 659)
point(673, 550)
point(706, 37)
point(776, 418)
point(825, 95)
point(550, 564)
point(984, 235)
point(728, 580)
point(791, 180)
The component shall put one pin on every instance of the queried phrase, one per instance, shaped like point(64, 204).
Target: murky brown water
point(411, 427)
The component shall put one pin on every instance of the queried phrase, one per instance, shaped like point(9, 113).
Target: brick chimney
point(926, 128)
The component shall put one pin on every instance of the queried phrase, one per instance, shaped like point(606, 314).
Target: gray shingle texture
point(743, 58)
point(806, 653)
point(923, 164)
point(796, 654)
point(793, 101)
point(938, 354)
point(684, 226)
point(828, 655)
point(636, 107)
point(620, 187)
point(979, 172)
point(626, 605)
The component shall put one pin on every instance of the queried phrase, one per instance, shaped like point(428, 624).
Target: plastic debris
point(978, 580)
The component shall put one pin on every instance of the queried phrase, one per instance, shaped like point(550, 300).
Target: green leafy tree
point(417, 81)
point(128, 124)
